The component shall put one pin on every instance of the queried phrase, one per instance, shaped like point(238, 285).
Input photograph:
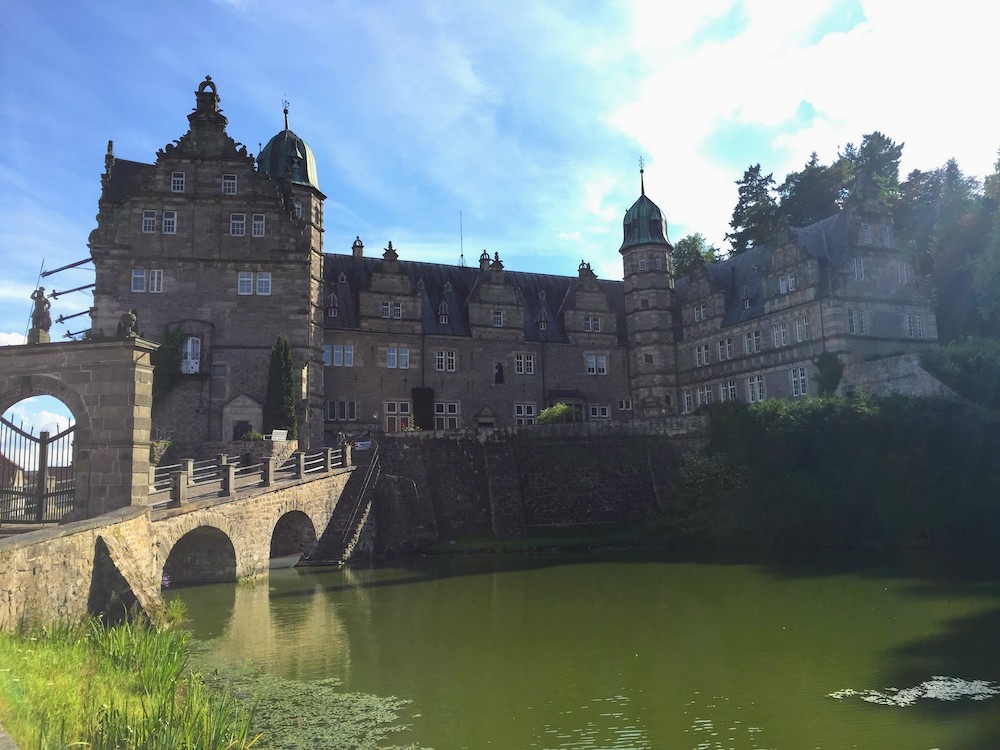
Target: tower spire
point(284, 103)
point(642, 181)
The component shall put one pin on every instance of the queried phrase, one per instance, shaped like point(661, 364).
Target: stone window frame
point(177, 181)
point(138, 283)
point(397, 310)
point(687, 401)
point(445, 360)
point(230, 183)
point(237, 225)
point(728, 390)
point(803, 329)
point(342, 355)
point(755, 388)
point(701, 355)
point(779, 334)
point(257, 225)
point(704, 395)
point(155, 283)
point(297, 209)
point(857, 322)
point(624, 404)
point(397, 357)
point(169, 223)
point(700, 312)
point(858, 264)
point(592, 323)
point(385, 308)
point(751, 342)
point(599, 412)
point(497, 318)
point(787, 283)
point(726, 348)
point(341, 411)
point(148, 221)
point(447, 415)
point(643, 265)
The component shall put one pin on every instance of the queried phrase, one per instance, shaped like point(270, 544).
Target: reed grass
point(113, 688)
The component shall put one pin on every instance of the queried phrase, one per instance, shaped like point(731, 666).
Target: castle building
point(226, 252)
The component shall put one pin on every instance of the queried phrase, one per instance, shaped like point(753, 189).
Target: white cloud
point(11, 339)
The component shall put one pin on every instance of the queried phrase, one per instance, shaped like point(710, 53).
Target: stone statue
point(40, 318)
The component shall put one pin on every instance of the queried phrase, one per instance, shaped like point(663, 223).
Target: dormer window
point(498, 318)
point(229, 184)
point(443, 313)
point(543, 321)
point(447, 286)
point(332, 307)
point(342, 279)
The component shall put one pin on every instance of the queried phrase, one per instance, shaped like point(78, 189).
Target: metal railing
point(189, 480)
point(37, 479)
point(362, 507)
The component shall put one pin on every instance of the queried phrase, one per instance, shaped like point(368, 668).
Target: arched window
point(543, 321)
point(443, 313)
point(332, 306)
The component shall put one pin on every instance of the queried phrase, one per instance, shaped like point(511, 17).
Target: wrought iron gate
point(37, 482)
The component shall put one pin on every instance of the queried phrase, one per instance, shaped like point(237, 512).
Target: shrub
point(556, 414)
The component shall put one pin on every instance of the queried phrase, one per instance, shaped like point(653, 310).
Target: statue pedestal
point(38, 336)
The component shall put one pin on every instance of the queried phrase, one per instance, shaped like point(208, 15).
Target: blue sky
point(528, 118)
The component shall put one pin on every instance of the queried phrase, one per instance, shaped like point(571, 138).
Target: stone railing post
point(267, 471)
point(179, 486)
point(300, 464)
point(152, 475)
point(187, 466)
point(221, 459)
point(227, 473)
point(327, 460)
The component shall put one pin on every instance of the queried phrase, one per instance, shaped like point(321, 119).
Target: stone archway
point(108, 387)
point(293, 533)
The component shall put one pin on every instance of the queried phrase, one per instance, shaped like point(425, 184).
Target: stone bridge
point(104, 565)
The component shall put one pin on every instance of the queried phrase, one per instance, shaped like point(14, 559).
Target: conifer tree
point(755, 218)
point(279, 401)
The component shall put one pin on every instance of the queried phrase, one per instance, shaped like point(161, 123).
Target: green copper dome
point(288, 156)
point(644, 224)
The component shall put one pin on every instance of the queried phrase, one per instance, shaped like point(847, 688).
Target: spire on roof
point(284, 104)
point(642, 181)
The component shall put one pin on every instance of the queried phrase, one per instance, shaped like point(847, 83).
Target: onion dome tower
point(649, 306)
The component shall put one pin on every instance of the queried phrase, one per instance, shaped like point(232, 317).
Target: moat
point(638, 650)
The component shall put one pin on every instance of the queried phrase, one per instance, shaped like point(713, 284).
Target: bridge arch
point(205, 554)
point(294, 532)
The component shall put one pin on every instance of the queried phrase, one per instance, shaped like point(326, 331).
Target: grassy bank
point(108, 688)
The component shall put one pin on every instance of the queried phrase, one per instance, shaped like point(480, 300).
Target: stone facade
point(381, 341)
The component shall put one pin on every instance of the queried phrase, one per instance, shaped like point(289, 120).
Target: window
point(524, 364)
point(704, 395)
point(803, 329)
point(866, 233)
point(751, 342)
point(177, 182)
point(700, 312)
point(900, 271)
point(857, 322)
point(755, 388)
point(341, 411)
point(625, 404)
point(244, 282)
point(859, 267)
point(237, 225)
point(913, 325)
point(257, 225)
point(524, 413)
point(647, 358)
point(397, 357)
point(786, 283)
point(445, 416)
point(229, 184)
point(297, 209)
point(642, 264)
point(746, 304)
point(170, 222)
point(498, 318)
point(688, 401)
point(658, 262)
point(779, 334)
point(397, 416)
point(883, 235)
point(385, 309)
point(444, 360)
point(727, 390)
point(148, 221)
point(726, 348)
point(264, 283)
point(443, 313)
point(191, 356)
point(701, 355)
point(155, 281)
point(643, 303)
point(138, 279)
point(397, 310)
point(597, 364)
point(800, 385)
point(338, 355)
point(599, 411)
point(543, 321)
point(592, 323)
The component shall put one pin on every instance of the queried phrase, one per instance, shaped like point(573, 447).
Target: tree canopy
point(755, 218)
point(279, 400)
point(691, 249)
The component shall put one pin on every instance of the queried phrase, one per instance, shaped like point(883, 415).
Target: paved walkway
point(6, 743)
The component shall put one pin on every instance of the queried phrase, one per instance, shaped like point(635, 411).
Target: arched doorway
point(37, 479)
point(203, 555)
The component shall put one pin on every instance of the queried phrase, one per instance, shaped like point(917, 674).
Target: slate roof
point(347, 276)
point(122, 174)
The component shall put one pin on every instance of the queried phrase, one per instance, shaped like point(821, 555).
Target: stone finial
point(497, 264)
point(127, 324)
point(484, 261)
point(207, 97)
point(390, 252)
point(358, 247)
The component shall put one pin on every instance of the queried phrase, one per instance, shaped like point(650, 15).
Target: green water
point(633, 651)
